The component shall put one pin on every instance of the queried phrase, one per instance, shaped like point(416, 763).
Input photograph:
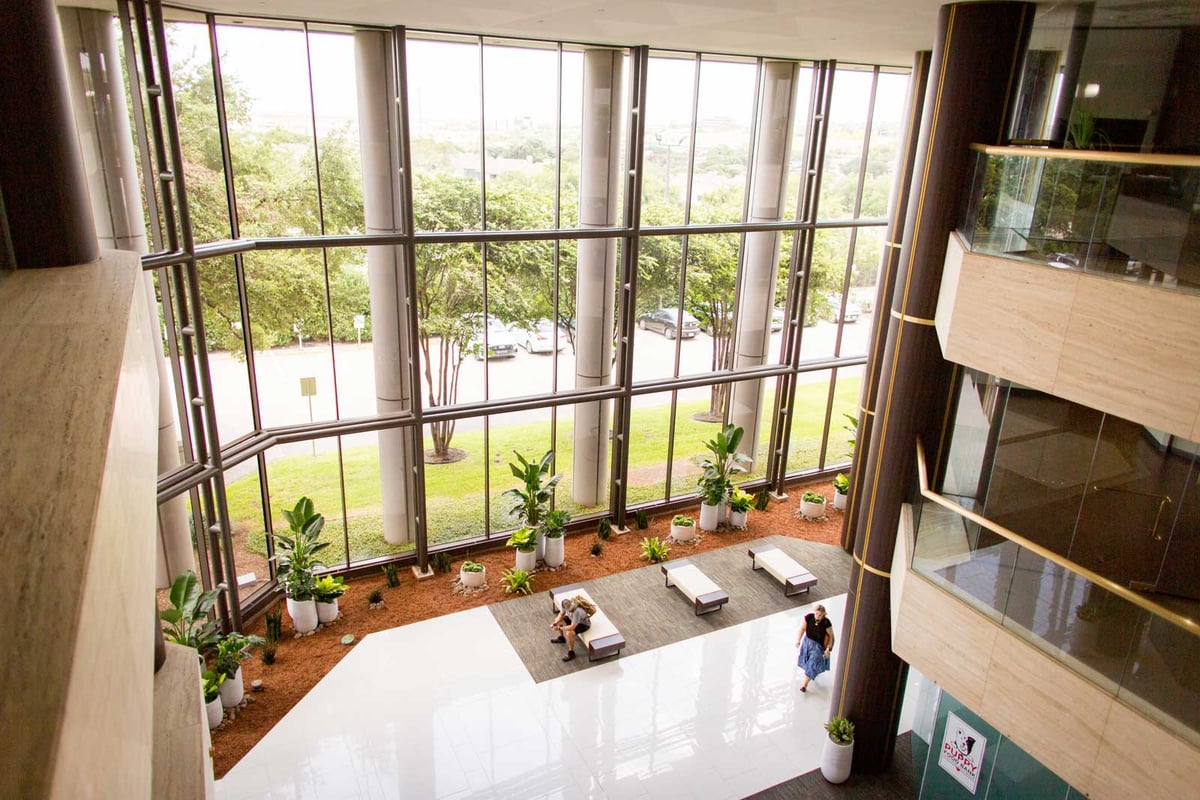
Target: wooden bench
point(602, 637)
point(784, 568)
point(695, 585)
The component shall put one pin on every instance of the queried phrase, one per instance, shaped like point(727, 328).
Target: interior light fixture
point(1091, 90)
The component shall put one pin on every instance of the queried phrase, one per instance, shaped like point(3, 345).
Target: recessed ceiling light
point(1091, 90)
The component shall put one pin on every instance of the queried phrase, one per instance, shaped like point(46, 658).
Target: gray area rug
point(649, 614)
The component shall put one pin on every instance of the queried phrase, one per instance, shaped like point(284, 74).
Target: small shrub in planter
point(440, 562)
point(391, 574)
point(472, 566)
point(517, 581)
point(762, 500)
point(597, 548)
point(186, 622)
point(655, 549)
point(604, 529)
point(376, 596)
point(471, 574)
point(642, 519)
point(683, 528)
point(841, 483)
point(840, 730)
point(268, 653)
point(813, 497)
point(274, 619)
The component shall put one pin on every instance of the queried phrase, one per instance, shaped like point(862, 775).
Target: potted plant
point(232, 650)
point(739, 508)
point(841, 485)
point(534, 495)
point(554, 526)
point(326, 592)
point(296, 555)
point(472, 574)
point(713, 491)
point(524, 539)
point(683, 528)
point(812, 505)
point(211, 681)
point(724, 463)
point(187, 622)
point(838, 751)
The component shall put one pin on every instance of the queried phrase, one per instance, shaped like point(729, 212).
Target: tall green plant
point(537, 489)
point(725, 461)
point(296, 553)
point(186, 622)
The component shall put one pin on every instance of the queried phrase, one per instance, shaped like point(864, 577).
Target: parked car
point(776, 319)
point(545, 337)
point(851, 313)
point(500, 341)
point(666, 322)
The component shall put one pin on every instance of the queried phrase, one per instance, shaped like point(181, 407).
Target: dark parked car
point(666, 322)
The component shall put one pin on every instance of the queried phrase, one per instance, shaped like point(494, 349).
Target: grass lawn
point(454, 492)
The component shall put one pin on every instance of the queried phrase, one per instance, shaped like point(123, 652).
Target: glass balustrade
point(1133, 216)
point(1143, 652)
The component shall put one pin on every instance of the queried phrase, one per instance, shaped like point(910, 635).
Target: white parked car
point(500, 341)
point(545, 337)
point(851, 313)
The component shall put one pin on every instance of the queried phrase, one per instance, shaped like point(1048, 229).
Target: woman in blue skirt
point(815, 641)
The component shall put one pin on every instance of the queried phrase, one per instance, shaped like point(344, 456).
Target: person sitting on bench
point(572, 620)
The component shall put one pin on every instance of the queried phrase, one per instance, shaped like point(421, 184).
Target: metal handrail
point(1108, 156)
point(1176, 619)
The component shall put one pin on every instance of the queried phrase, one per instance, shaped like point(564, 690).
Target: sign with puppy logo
point(962, 752)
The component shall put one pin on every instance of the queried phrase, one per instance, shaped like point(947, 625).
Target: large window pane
point(269, 112)
point(317, 477)
point(520, 91)
point(226, 348)
point(364, 498)
point(886, 129)
point(521, 298)
point(454, 493)
point(724, 121)
point(450, 325)
point(578, 492)
point(847, 131)
point(649, 437)
point(527, 433)
point(290, 323)
point(353, 346)
point(243, 498)
point(669, 90)
point(335, 109)
point(808, 421)
point(444, 98)
point(800, 143)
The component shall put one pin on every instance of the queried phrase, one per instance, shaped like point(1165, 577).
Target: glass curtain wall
point(514, 308)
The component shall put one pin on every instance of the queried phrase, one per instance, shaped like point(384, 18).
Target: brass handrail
point(1176, 619)
point(1108, 156)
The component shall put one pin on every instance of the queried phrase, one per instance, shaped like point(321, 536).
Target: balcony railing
point(1143, 653)
point(1133, 216)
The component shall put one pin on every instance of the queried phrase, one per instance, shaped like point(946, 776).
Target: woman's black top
point(816, 630)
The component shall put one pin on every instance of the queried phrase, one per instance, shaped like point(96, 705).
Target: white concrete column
point(760, 261)
point(378, 140)
point(596, 270)
point(106, 144)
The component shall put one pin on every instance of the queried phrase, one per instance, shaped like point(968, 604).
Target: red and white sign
point(962, 752)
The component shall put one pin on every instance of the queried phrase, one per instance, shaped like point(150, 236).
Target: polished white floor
point(445, 709)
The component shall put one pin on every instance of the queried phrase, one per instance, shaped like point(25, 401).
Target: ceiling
point(864, 31)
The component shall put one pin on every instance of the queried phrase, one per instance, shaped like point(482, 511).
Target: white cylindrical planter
point(472, 580)
point(540, 552)
point(555, 551)
point(303, 614)
point(527, 560)
point(722, 512)
point(232, 690)
point(839, 501)
point(835, 760)
point(683, 533)
point(327, 612)
point(812, 510)
point(215, 711)
point(737, 519)
point(709, 517)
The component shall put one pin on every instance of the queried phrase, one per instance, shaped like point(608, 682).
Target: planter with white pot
point(232, 690)
point(838, 752)
point(472, 574)
point(211, 683)
point(812, 505)
point(326, 592)
point(841, 489)
point(303, 614)
point(683, 528)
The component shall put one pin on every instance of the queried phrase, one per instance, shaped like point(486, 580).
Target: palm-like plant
point(725, 461)
point(186, 622)
point(533, 497)
point(296, 553)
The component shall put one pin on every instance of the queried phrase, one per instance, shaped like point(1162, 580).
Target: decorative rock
point(297, 636)
point(348, 638)
point(256, 686)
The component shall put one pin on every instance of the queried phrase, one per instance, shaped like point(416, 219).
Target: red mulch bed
point(301, 663)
